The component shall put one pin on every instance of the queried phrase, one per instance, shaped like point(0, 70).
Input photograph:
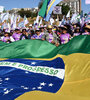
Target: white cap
point(41, 26)
point(37, 29)
point(7, 30)
point(45, 25)
point(30, 25)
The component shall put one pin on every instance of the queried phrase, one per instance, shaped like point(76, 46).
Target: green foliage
point(34, 14)
point(27, 13)
point(85, 14)
point(65, 9)
point(40, 4)
point(4, 11)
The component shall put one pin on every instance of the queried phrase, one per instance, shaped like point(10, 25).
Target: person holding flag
point(6, 38)
point(47, 8)
point(76, 32)
point(17, 34)
point(64, 37)
point(50, 36)
point(86, 30)
point(37, 34)
point(42, 31)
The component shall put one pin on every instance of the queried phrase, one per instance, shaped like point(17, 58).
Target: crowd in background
point(56, 35)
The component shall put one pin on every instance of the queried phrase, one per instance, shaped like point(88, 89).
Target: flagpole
point(79, 6)
point(57, 17)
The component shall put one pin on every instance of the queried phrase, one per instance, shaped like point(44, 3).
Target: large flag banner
point(43, 10)
point(87, 1)
point(47, 8)
point(24, 75)
point(45, 71)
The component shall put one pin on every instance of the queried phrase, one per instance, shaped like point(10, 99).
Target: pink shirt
point(16, 36)
point(64, 38)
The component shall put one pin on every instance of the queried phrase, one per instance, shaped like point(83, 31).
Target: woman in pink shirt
point(76, 32)
point(86, 30)
point(17, 35)
point(64, 37)
point(6, 38)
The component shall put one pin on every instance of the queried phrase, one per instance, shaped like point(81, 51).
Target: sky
point(9, 4)
point(85, 7)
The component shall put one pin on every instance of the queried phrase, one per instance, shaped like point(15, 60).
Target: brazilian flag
point(38, 70)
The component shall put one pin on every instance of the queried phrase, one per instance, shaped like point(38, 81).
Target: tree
point(65, 9)
point(27, 13)
point(4, 11)
point(85, 14)
point(40, 4)
point(23, 13)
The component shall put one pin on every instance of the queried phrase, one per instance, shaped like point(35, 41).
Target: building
point(35, 9)
point(75, 5)
point(15, 10)
point(27, 9)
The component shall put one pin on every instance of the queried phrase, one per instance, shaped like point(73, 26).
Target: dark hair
point(32, 32)
point(87, 29)
point(76, 30)
point(16, 29)
point(37, 31)
point(23, 30)
point(7, 33)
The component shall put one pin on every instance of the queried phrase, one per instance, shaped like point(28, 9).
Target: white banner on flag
point(60, 73)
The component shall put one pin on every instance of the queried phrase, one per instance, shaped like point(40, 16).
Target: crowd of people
point(56, 35)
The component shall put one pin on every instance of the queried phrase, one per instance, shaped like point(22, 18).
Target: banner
point(44, 70)
point(57, 10)
point(47, 8)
